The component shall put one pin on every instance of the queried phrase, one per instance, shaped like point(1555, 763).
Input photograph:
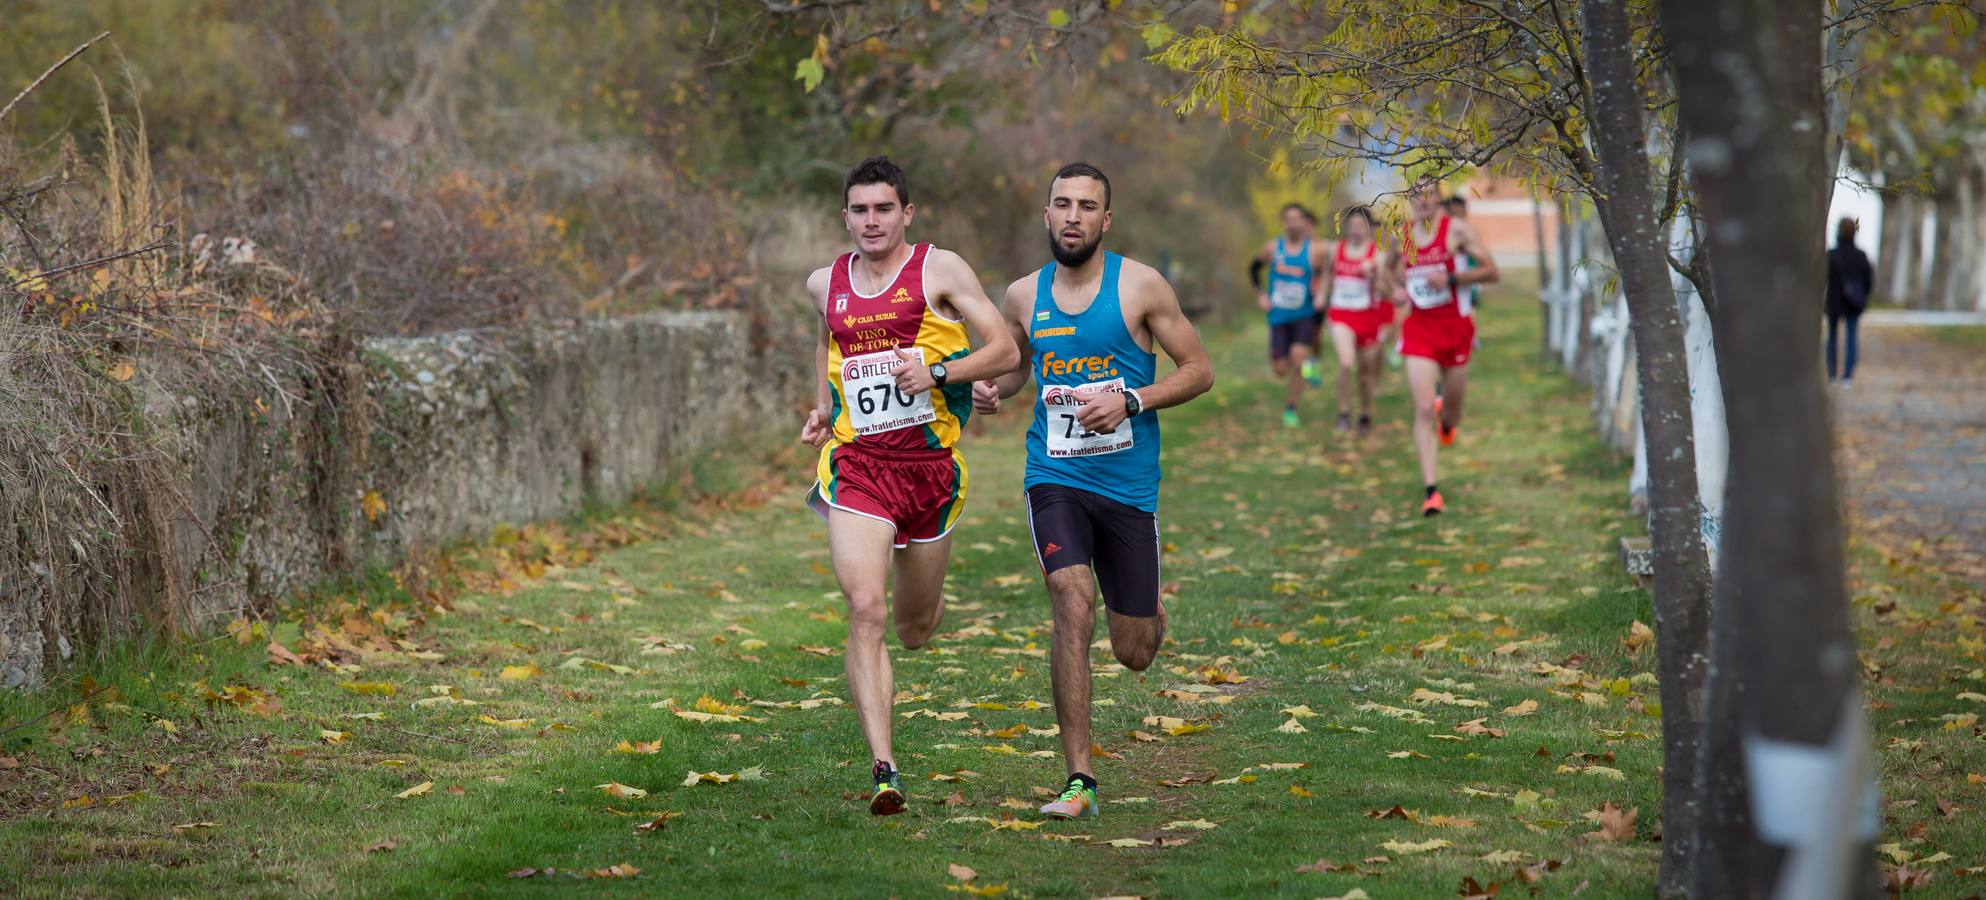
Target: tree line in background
point(468, 162)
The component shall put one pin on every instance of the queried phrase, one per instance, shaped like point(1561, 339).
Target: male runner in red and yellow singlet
point(895, 392)
point(1439, 332)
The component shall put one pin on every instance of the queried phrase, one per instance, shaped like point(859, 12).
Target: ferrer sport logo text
point(1086, 366)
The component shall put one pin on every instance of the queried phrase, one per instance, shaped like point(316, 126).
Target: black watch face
point(938, 371)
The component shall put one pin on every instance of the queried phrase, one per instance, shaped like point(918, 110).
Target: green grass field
point(1473, 671)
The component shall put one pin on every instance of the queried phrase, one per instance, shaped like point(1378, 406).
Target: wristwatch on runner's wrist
point(1132, 405)
point(1453, 282)
point(938, 373)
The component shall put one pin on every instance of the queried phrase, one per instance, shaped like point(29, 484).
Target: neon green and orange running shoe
point(888, 799)
point(1076, 801)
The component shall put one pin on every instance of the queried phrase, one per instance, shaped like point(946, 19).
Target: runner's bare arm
point(1193, 374)
point(1393, 274)
point(817, 429)
point(1264, 258)
point(1323, 271)
point(951, 280)
point(1484, 270)
point(1016, 308)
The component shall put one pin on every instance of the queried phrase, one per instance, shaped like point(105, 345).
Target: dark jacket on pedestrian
point(1849, 279)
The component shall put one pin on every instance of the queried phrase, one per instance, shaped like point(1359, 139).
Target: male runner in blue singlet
point(1086, 324)
point(1289, 299)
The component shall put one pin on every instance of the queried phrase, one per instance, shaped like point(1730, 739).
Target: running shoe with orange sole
point(1447, 430)
point(1433, 506)
point(1076, 801)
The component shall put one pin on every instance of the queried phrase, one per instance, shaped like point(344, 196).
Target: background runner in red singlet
point(1439, 333)
point(1358, 312)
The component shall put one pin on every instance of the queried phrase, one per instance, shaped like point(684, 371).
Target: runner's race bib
point(1351, 293)
point(1066, 436)
point(874, 404)
point(1427, 285)
point(1288, 295)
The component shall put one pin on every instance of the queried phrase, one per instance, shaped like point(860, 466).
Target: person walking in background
point(1849, 278)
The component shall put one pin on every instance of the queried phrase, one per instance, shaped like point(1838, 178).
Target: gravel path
point(1913, 434)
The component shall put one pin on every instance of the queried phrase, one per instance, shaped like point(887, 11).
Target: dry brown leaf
point(1615, 825)
point(961, 873)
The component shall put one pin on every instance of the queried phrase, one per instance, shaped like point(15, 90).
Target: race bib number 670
point(1066, 436)
point(874, 404)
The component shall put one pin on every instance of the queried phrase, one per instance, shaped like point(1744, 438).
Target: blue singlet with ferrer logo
point(1074, 356)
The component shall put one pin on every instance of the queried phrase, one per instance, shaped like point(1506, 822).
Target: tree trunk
point(1639, 240)
point(1544, 279)
point(1976, 300)
point(1968, 242)
point(1750, 78)
point(1944, 246)
point(1896, 256)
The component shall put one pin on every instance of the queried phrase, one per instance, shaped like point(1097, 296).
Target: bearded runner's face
point(1076, 219)
point(1296, 225)
point(876, 219)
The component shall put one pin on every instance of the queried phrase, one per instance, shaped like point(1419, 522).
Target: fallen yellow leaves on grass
point(381, 688)
point(1522, 709)
point(333, 737)
point(1176, 726)
point(754, 773)
point(1405, 848)
point(488, 719)
point(617, 789)
point(643, 747)
point(415, 791)
point(519, 673)
point(1423, 695)
point(1292, 727)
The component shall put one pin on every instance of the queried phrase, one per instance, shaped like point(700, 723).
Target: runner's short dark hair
point(1456, 200)
point(1299, 208)
point(1360, 210)
point(1085, 170)
point(877, 170)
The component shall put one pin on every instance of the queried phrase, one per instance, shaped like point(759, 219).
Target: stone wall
point(252, 495)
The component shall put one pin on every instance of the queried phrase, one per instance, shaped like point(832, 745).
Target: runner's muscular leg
point(1294, 364)
point(1370, 358)
point(859, 548)
point(1072, 594)
point(1454, 384)
point(1136, 639)
point(919, 600)
point(1346, 344)
point(1421, 376)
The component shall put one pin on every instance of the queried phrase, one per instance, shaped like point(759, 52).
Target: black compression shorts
point(1119, 543)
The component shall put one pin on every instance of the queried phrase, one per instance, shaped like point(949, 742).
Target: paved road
point(1913, 429)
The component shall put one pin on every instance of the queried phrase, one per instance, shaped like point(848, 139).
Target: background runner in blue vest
point(1086, 324)
point(1294, 262)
